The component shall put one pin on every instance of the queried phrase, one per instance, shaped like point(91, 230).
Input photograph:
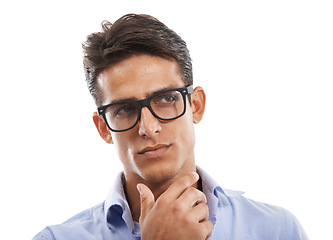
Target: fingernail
point(196, 175)
point(139, 188)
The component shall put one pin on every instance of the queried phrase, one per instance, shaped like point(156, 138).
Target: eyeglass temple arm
point(189, 89)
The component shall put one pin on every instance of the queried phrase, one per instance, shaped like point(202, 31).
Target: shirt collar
point(116, 199)
point(212, 187)
point(116, 195)
point(215, 194)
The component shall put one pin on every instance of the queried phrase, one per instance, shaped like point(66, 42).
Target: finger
point(208, 228)
point(200, 212)
point(178, 187)
point(192, 197)
point(147, 200)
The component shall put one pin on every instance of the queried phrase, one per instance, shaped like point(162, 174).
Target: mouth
point(154, 151)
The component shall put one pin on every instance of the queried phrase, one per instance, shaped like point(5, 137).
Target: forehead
point(137, 77)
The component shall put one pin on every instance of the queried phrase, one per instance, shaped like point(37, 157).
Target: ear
point(102, 128)
point(198, 99)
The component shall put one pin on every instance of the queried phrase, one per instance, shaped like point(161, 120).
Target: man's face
point(154, 150)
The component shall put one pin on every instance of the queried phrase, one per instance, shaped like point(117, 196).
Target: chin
point(159, 173)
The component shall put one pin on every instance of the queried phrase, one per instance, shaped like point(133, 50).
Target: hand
point(179, 213)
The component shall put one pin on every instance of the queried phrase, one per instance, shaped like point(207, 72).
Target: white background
point(266, 66)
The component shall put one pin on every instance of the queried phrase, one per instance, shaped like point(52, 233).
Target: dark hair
point(130, 35)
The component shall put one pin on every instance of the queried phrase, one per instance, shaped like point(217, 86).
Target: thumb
point(147, 200)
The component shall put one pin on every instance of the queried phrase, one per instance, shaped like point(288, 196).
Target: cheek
point(123, 147)
point(184, 132)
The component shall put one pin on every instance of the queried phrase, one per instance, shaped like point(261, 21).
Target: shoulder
point(88, 215)
point(77, 226)
point(265, 219)
point(245, 208)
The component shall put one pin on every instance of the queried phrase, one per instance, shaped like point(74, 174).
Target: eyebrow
point(147, 95)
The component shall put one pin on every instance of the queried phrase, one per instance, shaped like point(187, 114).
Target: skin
point(157, 156)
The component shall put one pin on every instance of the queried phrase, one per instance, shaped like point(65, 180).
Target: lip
point(154, 151)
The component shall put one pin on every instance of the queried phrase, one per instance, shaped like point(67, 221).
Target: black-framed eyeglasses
point(166, 105)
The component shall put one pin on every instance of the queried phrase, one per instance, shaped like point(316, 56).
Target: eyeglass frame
point(146, 103)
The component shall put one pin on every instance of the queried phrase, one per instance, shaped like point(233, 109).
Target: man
point(140, 75)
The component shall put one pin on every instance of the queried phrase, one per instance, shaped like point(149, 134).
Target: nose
point(149, 125)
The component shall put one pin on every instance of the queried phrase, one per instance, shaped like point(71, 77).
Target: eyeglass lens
point(166, 106)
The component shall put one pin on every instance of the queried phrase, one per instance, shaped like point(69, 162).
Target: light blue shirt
point(233, 216)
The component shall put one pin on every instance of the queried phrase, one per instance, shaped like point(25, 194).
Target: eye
point(125, 110)
point(166, 99)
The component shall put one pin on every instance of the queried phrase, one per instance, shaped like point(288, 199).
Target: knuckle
point(202, 197)
point(200, 231)
point(176, 207)
point(188, 180)
point(203, 233)
point(204, 207)
point(184, 183)
point(209, 228)
point(162, 202)
point(193, 177)
point(193, 191)
point(188, 220)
